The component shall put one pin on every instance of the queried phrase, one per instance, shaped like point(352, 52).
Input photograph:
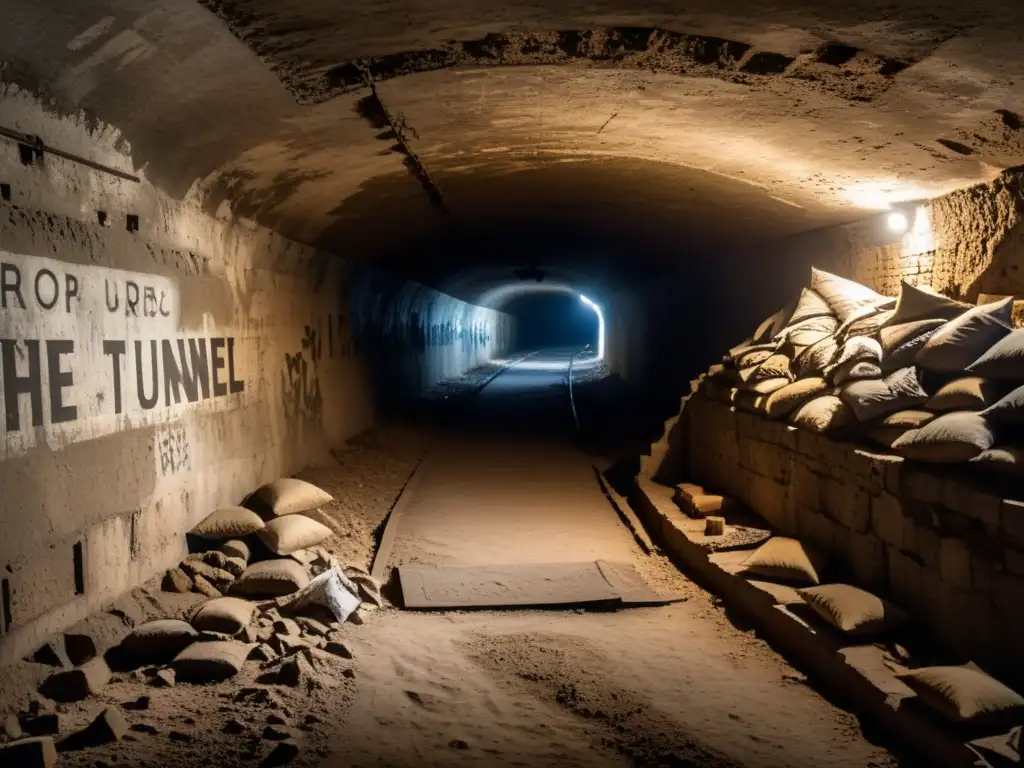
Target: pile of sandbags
point(927, 377)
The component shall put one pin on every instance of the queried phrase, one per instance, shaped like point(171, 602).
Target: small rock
point(53, 654)
point(339, 648)
point(144, 728)
point(348, 672)
point(288, 644)
point(164, 678)
point(253, 694)
point(40, 706)
point(179, 736)
point(80, 647)
point(138, 704)
point(41, 725)
point(273, 719)
point(12, 728)
point(77, 684)
point(234, 727)
point(276, 733)
point(355, 617)
point(176, 580)
point(313, 627)
point(291, 671)
point(287, 627)
point(458, 744)
point(204, 587)
point(214, 558)
point(109, 726)
point(311, 719)
point(39, 752)
point(284, 752)
point(263, 652)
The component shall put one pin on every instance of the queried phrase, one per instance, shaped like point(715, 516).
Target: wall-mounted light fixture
point(897, 222)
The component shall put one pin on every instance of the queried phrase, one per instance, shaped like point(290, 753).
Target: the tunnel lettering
point(39, 384)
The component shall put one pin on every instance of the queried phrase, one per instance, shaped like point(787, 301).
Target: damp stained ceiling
point(358, 126)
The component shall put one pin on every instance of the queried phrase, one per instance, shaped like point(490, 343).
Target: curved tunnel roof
point(360, 128)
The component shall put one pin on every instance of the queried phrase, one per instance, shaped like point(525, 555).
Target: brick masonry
point(946, 547)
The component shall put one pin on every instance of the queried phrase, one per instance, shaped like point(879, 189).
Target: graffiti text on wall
point(86, 350)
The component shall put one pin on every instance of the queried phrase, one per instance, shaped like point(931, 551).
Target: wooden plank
point(516, 585)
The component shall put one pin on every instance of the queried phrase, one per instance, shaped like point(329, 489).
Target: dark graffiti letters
point(131, 298)
point(59, 380)
point(10, 282)
point(174, 451)
point(16, 384)
point(115, 349)
point(216, 348)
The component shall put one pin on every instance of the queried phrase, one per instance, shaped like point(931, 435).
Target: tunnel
point(427, 321)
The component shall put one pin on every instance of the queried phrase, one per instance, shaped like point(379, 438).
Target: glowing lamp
point(898, 222)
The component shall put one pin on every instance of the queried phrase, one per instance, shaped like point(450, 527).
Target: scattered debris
point(283, 753)
point(46, 724)
point(80, 648)
point(176, 580)
point(38, 752)
point(77, 684)
point(164, 678)
point(53, 654)
point(339, 648)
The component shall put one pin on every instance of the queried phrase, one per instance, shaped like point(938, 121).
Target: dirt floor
point(677, 685)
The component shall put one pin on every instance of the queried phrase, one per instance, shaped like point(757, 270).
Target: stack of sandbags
point(930, 378)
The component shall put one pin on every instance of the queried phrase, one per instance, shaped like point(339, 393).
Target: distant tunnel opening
point(554, 320)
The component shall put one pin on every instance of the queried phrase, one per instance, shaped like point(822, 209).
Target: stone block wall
point(945, 545)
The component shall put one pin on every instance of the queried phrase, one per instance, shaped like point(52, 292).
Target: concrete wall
point(149, 376)
point(946, 546)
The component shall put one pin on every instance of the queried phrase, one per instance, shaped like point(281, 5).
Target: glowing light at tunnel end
point(600, 325)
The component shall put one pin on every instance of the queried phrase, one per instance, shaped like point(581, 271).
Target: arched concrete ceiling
point(360, 126)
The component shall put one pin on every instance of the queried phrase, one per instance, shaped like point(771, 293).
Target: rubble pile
point(276, 599)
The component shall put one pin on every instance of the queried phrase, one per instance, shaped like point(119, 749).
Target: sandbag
point(227, 615)
point(785, 400)
point(289, 495)
point(822, 414)
point(228, 523)
point(271, 578)
point(844, 297)
point(284, 535)
point(960, 342)
point(875, 398)
point(949, 439)
point(922, 303)
point(1004, 360)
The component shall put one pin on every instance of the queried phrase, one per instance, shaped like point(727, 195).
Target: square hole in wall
point(132, 222)
point(77, 554)
point(5, 192)
point(101, 218)
point(5, 604)
point(27, 153)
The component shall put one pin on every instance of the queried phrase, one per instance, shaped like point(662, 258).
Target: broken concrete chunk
point(288, 644)
point(80, 648)
point(214, 558)
point(109, 726)
point(142, 702)
point(216, 576)
point(714, 525)
point(164, 678)
point(312, 626)
point(339, 648)
point(176, 580)
point(47, 724)
point(262, 652)
point(12, 728)
point(53, 654)
point(287, 627)
point(39, 752)
point(283, 753)
point(77, 684)
point(291, 672)
point(276, 733)
point(204, 587)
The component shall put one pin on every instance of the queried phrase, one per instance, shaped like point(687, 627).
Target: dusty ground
point(677, 685)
